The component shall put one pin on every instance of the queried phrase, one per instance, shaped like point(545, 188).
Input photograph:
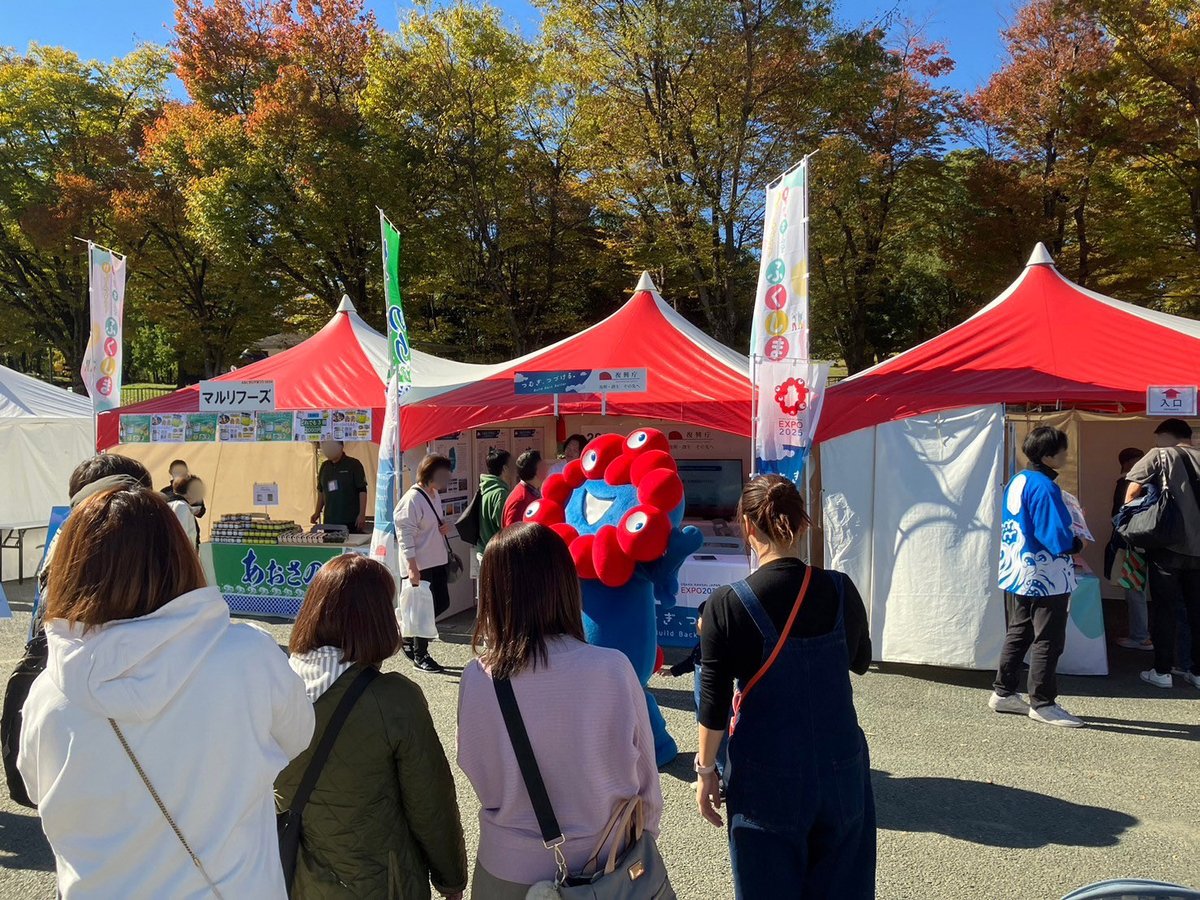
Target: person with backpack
point(95, 474)
point(1174, 571)
point(421, 532)
point(798, 786)
point(494, 487)
point(186, 717)
point(378, 814)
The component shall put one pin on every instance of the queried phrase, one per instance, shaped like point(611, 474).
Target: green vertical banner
point(401, 354)
point(388, 481)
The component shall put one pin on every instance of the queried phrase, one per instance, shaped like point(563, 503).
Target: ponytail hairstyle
point(774, 507)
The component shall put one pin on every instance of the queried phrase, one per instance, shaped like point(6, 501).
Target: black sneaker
point(428, 664)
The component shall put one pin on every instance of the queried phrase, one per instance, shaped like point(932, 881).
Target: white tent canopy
point(45, 432)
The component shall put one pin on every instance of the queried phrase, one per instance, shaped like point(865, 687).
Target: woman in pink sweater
point(582, 706)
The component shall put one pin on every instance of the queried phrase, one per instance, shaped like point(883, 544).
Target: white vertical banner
point(101, 369)
point(789, 388)
point(388, 480)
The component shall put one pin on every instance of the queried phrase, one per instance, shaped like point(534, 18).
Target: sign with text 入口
point(1171, 400)
point(237, 396)
point(581, 381)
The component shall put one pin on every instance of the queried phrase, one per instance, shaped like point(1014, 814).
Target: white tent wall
point(911, 513)
point(41, 452)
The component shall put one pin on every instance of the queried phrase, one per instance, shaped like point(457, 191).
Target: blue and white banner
point(790, 396)
point(581, 381)
point(388, 480)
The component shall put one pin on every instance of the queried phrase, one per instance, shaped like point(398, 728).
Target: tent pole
point(604, 404)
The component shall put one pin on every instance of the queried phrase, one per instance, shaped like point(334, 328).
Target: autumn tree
point(67, 129)
point(888, 123)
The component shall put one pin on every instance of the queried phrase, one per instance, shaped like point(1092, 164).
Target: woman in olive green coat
point(383, 818)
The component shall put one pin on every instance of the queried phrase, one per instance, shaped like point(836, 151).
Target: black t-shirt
point(342, 483)
point(732, 646)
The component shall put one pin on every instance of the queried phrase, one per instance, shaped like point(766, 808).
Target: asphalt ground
point(971, 804)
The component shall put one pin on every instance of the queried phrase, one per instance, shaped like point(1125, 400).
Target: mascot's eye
point(636, 522)
point(590, 459)
point(637, 439)
point(532, 509)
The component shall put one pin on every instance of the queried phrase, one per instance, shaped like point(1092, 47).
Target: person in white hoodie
point(421, 532)
point(144, 664)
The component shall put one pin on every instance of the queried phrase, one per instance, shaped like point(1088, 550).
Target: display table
point(699, 576)
point(270, 579)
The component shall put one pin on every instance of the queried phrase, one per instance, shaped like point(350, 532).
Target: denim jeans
point(1139, 615)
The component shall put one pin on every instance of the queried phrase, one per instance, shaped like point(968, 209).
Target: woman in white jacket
point(421, 531)
point(141, 653)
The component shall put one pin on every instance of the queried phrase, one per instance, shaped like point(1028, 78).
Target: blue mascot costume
point(619, 507)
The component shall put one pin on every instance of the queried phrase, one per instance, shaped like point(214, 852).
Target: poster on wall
point(456, 448)
point(528, 439)
point(487, 440)
point(135, 429)
point(311, 425)
point(200, 427)
point(236, 427)
point(168, 428)
point(274, 426)
point(350, 424)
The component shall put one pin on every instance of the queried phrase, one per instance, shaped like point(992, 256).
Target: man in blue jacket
point(1037, 574)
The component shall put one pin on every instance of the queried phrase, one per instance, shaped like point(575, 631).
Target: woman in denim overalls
point(801, 810)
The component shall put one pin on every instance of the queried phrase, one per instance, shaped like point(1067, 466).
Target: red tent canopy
point(691, 378)
point(1043, 341)
point(342, 366)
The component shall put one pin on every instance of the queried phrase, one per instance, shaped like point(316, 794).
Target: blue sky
point(106, 29)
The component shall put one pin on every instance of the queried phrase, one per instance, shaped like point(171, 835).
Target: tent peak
point(347, 305)
point(645, 283)
point(1040, 256)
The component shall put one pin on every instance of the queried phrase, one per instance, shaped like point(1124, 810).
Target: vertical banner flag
point(389, 479)
point(101, 370)
point(788, 388)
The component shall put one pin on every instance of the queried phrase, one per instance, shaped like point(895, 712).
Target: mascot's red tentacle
point(557, 489)
point(566, 532)
point(644, 532)
point(653, 461)
point(660, 489)
point(617, 472)
point(646, 439)
point(613, 566)
point(545, 512)
point(574, 474)
point(581, 552)
point(599, 454)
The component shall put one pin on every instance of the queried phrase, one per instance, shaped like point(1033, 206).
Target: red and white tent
point(915, 453)
point(342, 366)
point(1044, 341)
point(691, 378)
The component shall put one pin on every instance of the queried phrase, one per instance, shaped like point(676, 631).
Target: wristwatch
point(703, 770)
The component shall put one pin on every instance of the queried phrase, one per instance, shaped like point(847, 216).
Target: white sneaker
point(1055, 715)
point(1193, 680)
point(1010, 704)
point(1161, 681)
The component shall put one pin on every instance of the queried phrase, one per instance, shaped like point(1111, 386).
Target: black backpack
point(469, 522)
point(31, 665)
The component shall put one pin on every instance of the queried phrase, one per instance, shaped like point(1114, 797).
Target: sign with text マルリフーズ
point(237, 396)
point(581, 381)
point(1171, 400)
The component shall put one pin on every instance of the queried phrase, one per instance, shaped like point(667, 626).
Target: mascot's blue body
point(620, 509)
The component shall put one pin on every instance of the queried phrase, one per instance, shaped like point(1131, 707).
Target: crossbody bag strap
point(1193, 475)
point(163, 809)
point(783, 635)
point(433, 509)
point(552, 834)
point(336, 721)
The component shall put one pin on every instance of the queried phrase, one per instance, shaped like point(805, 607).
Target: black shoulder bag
point(289, 822)
point(634, 870)
point(454, 564)
point(1160, 524)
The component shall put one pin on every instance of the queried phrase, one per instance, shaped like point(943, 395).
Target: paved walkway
point(971, 804)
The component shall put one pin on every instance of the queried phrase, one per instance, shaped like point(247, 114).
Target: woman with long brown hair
point(183, 717)
point(801, 813)
point(382, 819)
point(583, 709)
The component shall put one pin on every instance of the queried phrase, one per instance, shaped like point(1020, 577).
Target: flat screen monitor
point(711, 487)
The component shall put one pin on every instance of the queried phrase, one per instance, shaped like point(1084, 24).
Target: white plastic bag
point(416, 612)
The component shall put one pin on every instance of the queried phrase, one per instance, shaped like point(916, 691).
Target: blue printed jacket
point(1036, 538)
